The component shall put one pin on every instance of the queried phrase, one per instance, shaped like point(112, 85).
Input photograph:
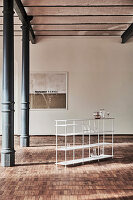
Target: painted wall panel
point(100, 76)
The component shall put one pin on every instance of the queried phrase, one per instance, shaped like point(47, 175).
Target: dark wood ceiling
point(76, 17)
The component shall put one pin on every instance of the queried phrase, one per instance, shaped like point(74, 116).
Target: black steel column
point(24, 139)
point(8, 153)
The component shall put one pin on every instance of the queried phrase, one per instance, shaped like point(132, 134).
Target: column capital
point(8, 5)
point(8, 12)
point(27, 25)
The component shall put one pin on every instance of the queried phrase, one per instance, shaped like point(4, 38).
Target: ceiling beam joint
point(24, 18)
point(127, 34)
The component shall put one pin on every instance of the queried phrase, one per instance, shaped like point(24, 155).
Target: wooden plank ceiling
point(76, 17)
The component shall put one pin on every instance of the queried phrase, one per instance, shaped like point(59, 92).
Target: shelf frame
point(89, 127)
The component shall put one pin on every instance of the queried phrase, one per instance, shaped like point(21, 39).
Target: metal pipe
point(24, 139)
point(8, 152)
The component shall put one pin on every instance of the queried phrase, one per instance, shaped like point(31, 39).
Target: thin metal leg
point(112, 138)
point(56, 145)
point(89, 140)
point(73, 140)
point(94, 126)
point(83, 142)
point(65, 142)
point(98, 139)
point(103, 136)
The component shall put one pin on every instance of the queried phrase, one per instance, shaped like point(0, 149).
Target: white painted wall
point(100, 75)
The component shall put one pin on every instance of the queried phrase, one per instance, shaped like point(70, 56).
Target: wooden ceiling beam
point(76, 2)
point(78, 33)
point(76, 20)
point(87, 27)
point(79, 11)
point(81, 19)
point(69, 11)
point(82, 27)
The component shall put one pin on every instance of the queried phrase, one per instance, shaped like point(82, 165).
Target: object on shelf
point(101, 114)
point(91, 154)
point(94, 153)
point(68, 145)
point(101, 151)
point(108, 113)
point(97, 115)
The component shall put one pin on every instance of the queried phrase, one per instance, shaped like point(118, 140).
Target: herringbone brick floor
point(35, 176)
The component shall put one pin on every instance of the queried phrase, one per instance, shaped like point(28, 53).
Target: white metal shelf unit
point(83, 127)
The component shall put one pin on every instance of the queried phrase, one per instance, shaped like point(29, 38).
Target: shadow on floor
point(128, 197)
point(30, 164)
point(43, 145)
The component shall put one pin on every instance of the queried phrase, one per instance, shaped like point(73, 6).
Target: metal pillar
point(8, 153)
point(24, 139)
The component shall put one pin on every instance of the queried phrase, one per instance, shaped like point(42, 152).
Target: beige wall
point(100, 75)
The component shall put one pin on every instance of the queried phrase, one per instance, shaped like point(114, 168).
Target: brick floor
point(35, 176)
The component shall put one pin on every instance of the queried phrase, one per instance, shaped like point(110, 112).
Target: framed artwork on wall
point(48, 90)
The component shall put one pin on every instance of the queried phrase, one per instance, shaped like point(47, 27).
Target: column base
point(7, 158)
point(24, 141)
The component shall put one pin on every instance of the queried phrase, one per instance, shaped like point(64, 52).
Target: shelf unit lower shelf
point(83, 160)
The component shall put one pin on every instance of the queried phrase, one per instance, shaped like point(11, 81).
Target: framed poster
point(48, 90)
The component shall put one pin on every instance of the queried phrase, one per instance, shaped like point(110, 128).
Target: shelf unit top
point(65, 120)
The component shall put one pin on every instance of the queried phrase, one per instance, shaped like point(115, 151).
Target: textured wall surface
point(100, 75)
